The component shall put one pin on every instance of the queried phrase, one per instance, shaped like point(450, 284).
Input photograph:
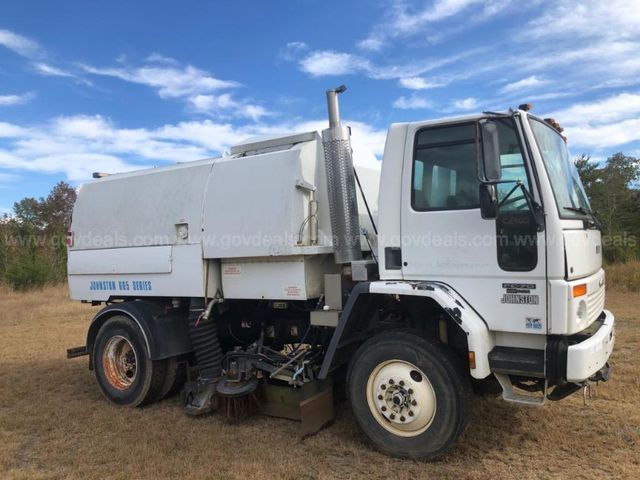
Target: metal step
point(509, 395)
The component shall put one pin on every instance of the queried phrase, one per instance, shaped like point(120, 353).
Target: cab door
point(497, 265)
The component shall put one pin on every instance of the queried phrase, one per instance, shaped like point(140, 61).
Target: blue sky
point(121, 85)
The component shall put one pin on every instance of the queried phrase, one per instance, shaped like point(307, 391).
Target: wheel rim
point(401, 398)
point(119, 362)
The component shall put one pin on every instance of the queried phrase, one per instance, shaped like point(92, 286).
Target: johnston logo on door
point(519, 294)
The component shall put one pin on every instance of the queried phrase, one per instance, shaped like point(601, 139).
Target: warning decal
point(292, 291)
point(231, 270)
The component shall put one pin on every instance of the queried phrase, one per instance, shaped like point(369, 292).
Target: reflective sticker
point(533, 323)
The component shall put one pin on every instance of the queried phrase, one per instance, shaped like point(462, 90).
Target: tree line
point(33, 248)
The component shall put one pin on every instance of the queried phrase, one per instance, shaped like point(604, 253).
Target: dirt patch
point(55, 424)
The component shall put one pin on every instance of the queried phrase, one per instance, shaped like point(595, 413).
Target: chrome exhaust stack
point(343, 204)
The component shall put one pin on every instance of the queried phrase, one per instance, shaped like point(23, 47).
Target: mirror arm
point(534, 207)
point(506, 197)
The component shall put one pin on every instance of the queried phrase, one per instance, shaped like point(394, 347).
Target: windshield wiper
point(581, 210)
point(588, 213)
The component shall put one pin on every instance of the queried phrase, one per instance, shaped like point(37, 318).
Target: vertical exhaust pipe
point(343, 205)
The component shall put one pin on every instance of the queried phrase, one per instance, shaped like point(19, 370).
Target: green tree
point(612, 191)
point(32, 240)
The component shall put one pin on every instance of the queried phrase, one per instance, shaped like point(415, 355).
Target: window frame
point(417, 147)
point(531, 184)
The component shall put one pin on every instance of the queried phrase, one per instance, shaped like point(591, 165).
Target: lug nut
point(402, 383)
point(391, 381)
point(414, 403)
point(402, 419)
point(392, 416)
point(379, 397)
point(383, 387)
point(383, 408)
point(410, 391)
point(410, 413)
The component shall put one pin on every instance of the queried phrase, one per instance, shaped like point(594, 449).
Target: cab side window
point(444, 169)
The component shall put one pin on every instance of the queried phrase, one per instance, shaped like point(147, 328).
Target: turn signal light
point(472, 360)
point(579, 290)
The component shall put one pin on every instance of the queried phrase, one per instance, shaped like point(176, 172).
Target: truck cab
point(492, 208)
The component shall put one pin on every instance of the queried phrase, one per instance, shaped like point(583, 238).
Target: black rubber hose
point(205, 343)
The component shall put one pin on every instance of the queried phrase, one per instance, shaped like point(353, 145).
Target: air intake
point(343, 205)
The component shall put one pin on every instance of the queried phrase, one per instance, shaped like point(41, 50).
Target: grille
point(595, 304)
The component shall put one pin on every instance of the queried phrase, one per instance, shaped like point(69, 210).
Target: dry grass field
point(55, 424)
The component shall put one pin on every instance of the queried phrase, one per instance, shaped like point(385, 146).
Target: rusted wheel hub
point(119, 362)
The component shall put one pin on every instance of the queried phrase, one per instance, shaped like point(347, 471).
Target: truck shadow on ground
point(54, 412)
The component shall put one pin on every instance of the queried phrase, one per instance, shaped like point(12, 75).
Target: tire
point(175, 376)
point(409, 395)
point(125, 373)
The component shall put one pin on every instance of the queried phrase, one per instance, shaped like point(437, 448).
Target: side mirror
point(491, 151)
point(488, 201)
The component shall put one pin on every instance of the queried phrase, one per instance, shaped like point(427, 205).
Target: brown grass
point(624, 276)
point(55, 424)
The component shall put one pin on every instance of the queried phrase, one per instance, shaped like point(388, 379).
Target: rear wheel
point(125, 373)
point(409, 395)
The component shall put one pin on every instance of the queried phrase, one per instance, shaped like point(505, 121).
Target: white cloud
point(466, 104)
point(78, 145)
point(169, 81)
point(216, 103)
point(7, 100)
point(20, 44)
point(372, 43)
point(329, 62)
point(419, 83)
point(293, 50)
point(587, 18)
point(201, 91)
point(159, 58)
point(49, 70)
point(412, 102)
point(408, 22)
point(605, 123)
point(604, 136)
point(529, 82)
point(610, 109)
point(403, 19)
point(9, 130)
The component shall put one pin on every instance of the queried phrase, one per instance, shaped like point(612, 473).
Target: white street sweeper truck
point(272, 278)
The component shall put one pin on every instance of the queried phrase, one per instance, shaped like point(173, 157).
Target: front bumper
point(587, 357)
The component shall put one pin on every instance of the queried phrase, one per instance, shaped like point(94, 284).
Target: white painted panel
point(141, 208)
point(186, 278)
point(120, 260)
point(282, 278)
point(584, 252)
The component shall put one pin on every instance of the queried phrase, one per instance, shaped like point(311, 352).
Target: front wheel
point(409, 395)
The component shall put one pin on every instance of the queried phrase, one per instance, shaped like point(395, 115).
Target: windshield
point(567, 188)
